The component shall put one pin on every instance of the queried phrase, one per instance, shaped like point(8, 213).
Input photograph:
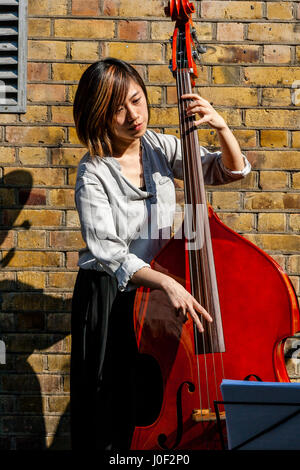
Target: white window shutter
point(13, 56)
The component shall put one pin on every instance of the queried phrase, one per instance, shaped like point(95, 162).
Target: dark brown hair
point(102, 88)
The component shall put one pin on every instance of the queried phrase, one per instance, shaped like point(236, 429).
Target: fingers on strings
point(199, 106)
point(192, 311)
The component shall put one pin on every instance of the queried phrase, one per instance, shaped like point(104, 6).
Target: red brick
point(89, 8)
point(38, 71)
point(133, 30)
point(230, 31)
point(33, 197)
point(46, 92)
point(68, 239)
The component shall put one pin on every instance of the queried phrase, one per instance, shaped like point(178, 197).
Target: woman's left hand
point(207, 113)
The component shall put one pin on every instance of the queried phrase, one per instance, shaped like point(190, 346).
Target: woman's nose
point(132, 113)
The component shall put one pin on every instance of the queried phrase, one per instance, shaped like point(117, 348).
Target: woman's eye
point(137, 100)
point(119, 110)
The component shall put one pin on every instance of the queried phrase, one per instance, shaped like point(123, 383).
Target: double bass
point(251, 299)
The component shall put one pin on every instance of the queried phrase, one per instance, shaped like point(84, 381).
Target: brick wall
point(248, 73)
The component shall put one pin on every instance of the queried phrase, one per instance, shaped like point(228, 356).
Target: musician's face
point(131, 119)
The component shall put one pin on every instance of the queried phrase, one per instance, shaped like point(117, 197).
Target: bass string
point(198, 260)
point(206, 269)
point(210, 273)
point(184, 123)
point(192, 145)
point(212, 329)
point(186, 165)
point(194, 266)
point(203, 261)
point(186, 215)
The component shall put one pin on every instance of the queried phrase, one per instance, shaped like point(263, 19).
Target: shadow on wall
point(34, 327)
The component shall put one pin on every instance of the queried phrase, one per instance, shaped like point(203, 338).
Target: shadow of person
point(29, 390)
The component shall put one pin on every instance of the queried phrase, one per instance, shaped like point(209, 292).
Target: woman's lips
point(137, 127)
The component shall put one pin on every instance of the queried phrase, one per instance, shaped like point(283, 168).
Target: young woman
point(125, 197)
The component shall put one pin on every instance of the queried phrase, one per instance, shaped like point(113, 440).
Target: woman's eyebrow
point(134, 94)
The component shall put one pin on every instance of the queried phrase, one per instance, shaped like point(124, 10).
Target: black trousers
point(103, 364)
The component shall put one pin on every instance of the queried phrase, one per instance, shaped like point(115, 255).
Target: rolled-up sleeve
point(214, 170)
point(99, 232)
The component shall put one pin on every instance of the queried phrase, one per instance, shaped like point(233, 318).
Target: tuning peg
point(201, 49)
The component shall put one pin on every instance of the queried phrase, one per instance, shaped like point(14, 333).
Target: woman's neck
point(121, 149)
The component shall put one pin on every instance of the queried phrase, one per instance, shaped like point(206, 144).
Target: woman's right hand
point(183, 302)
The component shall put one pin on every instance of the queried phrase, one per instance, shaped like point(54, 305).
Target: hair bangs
point(120, 88)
